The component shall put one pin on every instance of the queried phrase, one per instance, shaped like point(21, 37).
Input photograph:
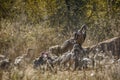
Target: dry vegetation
point(18, 41)
point(39, 24)
point(112, 72)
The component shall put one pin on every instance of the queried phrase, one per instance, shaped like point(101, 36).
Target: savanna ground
point(45, 38)
point(110, 73)
point(39, 24)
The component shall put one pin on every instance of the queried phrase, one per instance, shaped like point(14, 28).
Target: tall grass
point(29, 73)
point(16, 39)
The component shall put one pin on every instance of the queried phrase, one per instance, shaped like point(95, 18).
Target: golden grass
point(15, 39)
point(29, 73)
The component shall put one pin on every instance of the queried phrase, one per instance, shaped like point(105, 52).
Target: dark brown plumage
point(80, 35)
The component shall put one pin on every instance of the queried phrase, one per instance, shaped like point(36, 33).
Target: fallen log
point(111, 45)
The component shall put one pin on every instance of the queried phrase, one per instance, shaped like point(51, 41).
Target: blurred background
point(39, 24)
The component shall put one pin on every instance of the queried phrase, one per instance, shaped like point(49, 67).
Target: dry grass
point(28, 73)
point(15, 39)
